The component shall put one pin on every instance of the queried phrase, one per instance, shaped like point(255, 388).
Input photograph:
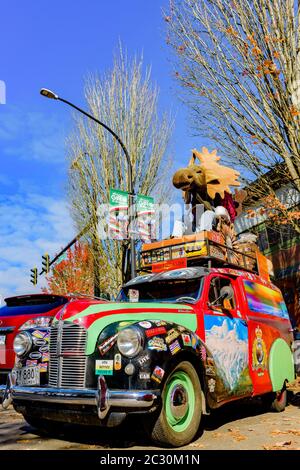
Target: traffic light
point(34, 276)
point(46, 263)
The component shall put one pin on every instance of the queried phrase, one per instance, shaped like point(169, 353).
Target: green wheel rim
point(179, 391)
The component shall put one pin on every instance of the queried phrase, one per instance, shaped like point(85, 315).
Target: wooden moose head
point(205, 179)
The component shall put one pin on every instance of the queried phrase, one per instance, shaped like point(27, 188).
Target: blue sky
point(55, 45)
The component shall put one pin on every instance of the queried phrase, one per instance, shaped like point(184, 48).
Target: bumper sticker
point(144, 375)
point(47, 336)
point(172, 334)
point(104, 367)
point(158, 374)
point(195, 343)
point(174, 347)
point(45, 357)
point(39, 341)
point(38, 334)
point(35, 355)
point(155, 331)
point(43, 367)
point(143, 359)
point(145, 324)
point(209, 370)
point(157, 344)
point(31, 363)
point(203, 353)
point(107, 344)
point(211, 385)
point(118, 362)
point(160, 322)
point(186, 339)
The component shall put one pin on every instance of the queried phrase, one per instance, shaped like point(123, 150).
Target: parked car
point(20, 314)
point(175, 345)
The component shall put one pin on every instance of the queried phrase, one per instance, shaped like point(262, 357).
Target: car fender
point(164, 344)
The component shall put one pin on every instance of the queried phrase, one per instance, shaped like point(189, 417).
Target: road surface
point(243, 425)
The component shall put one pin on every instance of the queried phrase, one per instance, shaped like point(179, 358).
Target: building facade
point(281, 244)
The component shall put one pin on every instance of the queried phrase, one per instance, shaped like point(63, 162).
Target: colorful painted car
point(19, 314)
point(174, 346)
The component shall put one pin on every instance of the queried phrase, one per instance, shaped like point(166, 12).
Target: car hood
point(96, 316)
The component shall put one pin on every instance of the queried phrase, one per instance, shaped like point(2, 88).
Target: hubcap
point(179, 401)
point(280, 396)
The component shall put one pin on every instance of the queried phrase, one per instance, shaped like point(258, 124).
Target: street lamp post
point(50, 94)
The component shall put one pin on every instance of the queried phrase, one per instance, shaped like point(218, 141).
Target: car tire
point(181, 410)
point(279, 401)
point(276, 401)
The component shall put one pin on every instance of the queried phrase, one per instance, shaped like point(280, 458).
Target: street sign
point(143, 224)
point(118, 214)
point(145, 218)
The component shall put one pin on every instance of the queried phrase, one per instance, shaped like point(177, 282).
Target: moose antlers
point(219, 177)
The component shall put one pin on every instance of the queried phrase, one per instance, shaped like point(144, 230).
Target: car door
point(226, 336)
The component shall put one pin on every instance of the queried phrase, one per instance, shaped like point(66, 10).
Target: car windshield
point(175, 290)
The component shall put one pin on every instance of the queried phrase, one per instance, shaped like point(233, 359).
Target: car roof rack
point(207, 249)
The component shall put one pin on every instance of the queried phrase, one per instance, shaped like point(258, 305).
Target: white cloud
point(30, 225)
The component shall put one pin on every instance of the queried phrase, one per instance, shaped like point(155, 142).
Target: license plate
point(27, 376)
point(2, 339)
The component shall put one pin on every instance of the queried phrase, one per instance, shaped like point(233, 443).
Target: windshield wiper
point(185, 299)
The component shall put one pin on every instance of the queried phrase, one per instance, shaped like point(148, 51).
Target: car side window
point(214, 293)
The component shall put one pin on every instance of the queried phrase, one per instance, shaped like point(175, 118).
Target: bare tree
point(239, 64)
point(127, 102)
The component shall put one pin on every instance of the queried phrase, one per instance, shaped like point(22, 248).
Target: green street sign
point(118, 215)
point(118, 199)
point(144, 204)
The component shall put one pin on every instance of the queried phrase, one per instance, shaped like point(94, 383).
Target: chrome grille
point(67, 362)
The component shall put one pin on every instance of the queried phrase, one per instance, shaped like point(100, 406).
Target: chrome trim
point(102, 398)
point(179, 402)
point(67, 359)
point(106, 398)
point(54, 395)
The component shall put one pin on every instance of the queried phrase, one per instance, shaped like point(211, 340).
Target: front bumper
point(102, 398)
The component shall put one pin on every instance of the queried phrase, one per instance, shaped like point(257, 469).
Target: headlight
point(39, 322)
point(22, 343)
point(129, 342)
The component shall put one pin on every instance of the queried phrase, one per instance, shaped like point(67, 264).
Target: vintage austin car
point(175, 345)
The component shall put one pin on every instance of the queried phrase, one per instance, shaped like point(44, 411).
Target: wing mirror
point(226, 293)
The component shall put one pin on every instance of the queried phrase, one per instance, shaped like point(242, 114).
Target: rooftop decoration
point(207, 182)
point(211, 237)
